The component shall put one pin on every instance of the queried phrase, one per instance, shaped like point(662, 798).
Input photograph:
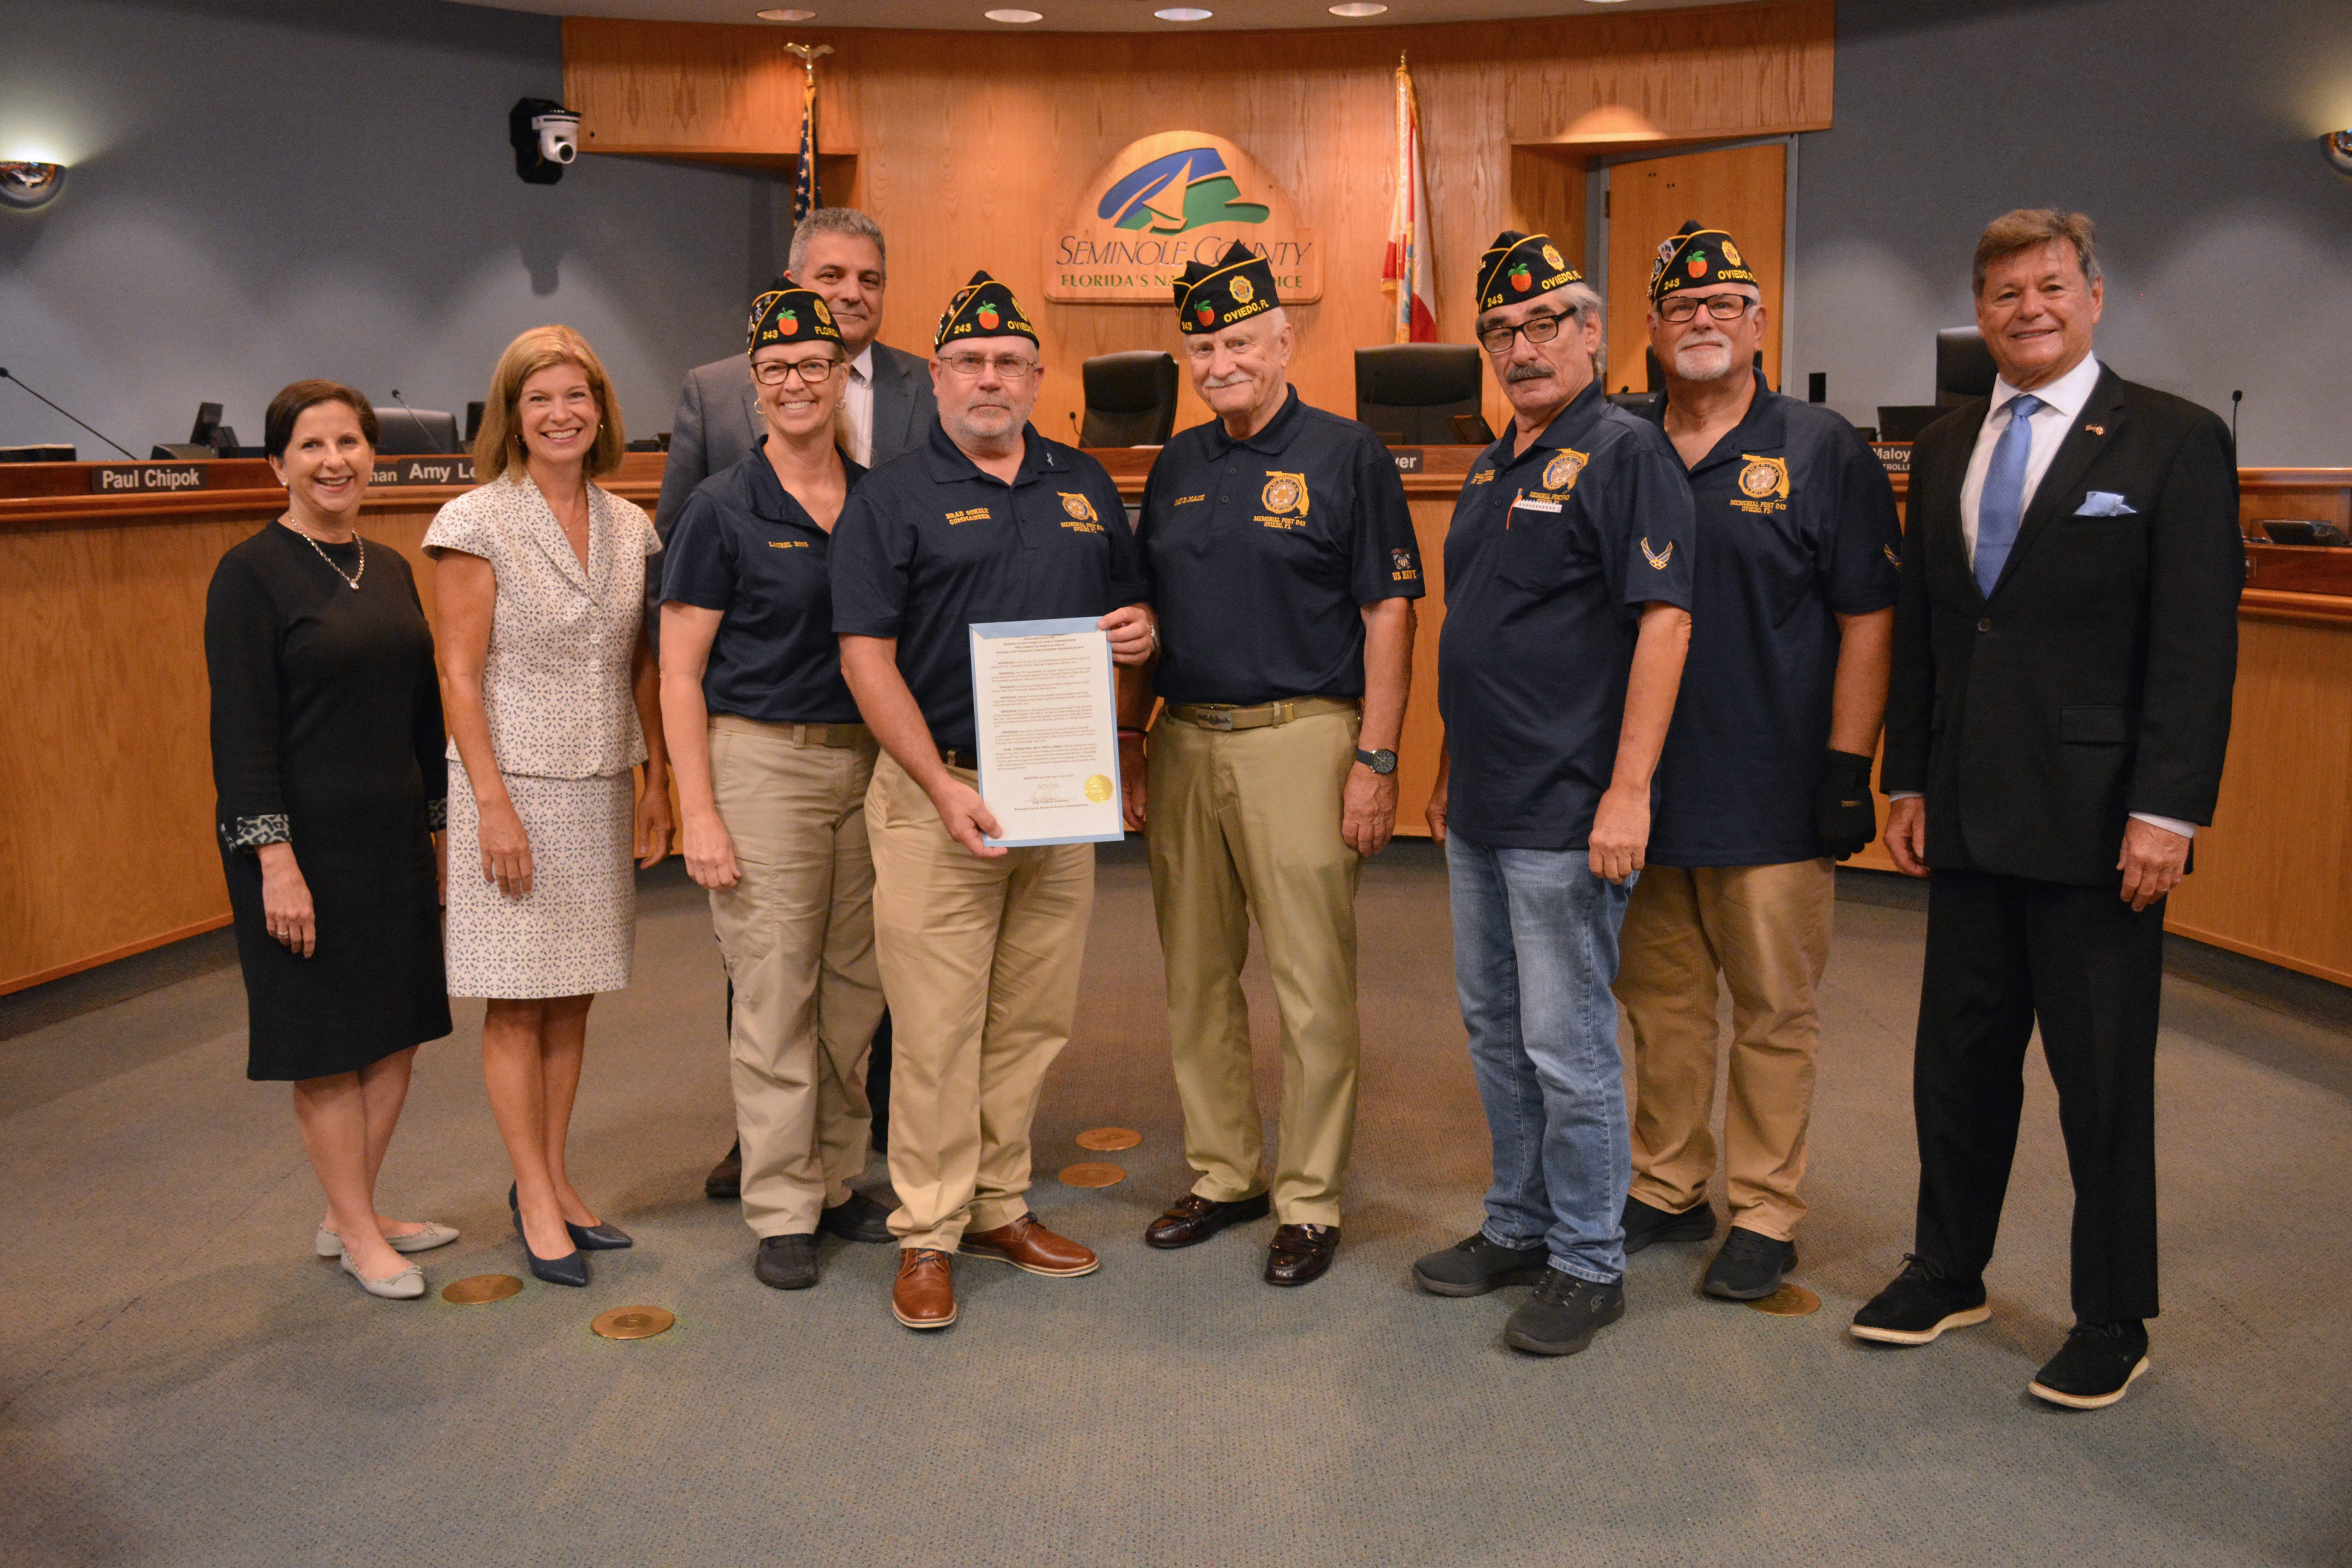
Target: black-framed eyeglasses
point(812, 372)
point(1722, 307)
point(1539, 330)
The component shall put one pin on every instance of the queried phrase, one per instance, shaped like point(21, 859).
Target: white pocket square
point(2104, 504)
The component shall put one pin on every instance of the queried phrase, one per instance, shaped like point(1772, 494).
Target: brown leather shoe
point(1301, 1253)
point(1193, 1218)
point(924, 1296)
point(1026, 1245)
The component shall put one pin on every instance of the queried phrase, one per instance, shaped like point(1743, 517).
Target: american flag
point(806, 198)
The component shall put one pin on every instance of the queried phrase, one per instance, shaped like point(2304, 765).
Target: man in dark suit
point(837, 252)
point(2066, 643)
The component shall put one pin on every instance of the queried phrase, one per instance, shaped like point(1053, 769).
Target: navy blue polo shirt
point(743, 546)
point(1796, 526)
point(1261, 553)
point(1548, 560)
point(929, 544)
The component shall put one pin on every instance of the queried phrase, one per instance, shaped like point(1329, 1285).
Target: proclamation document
point(1046, 710)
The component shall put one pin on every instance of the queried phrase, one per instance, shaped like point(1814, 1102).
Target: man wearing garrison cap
point(980, 946)
point(1568, 586)
point(1284, 567)
point(1766, 773)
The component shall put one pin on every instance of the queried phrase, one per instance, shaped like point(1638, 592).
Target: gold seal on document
point(633, 1322)
point(1099, 789)
point(480, 1289)
point(1092, 1175)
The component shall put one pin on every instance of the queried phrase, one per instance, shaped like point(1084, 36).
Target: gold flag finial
point(808, 54)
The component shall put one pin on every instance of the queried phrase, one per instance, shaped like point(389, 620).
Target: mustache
point(1536, 371)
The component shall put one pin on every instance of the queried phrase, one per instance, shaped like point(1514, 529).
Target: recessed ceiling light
point(1359, 8)
point(1183, 14)
point(787, 16)
point(1015, 15)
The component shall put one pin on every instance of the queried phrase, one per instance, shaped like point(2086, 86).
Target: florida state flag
point(1406, 271)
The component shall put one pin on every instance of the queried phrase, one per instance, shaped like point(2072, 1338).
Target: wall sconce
point(27, 184)
point(2339, 146)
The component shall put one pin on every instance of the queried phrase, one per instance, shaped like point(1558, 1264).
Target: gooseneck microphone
point(92, 429)
point(413, 419)
point(1075, 432)
point(2235, 398)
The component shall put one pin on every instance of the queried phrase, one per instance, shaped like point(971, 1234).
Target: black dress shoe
point(856, 1218)
point(1193, 1218)
point(726, 1179)
point(1301, 1253)
point(2095, 1367)
point(1919, 1304)
point(569, 1269)
point(598, 1237)
point(786, 1262)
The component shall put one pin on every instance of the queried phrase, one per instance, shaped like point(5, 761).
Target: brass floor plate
point(1091, 1175)
point(1106, 1139)
point(480, 1289)
point(633, 1322)
point(1788, 1301)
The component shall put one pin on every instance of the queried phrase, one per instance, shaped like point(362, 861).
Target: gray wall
point(2186, 128)
point(269, 189)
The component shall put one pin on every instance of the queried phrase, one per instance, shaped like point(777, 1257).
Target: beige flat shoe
point(406, 1286)
point(326, 1244)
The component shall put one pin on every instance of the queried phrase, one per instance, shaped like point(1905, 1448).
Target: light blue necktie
point(2002, 501)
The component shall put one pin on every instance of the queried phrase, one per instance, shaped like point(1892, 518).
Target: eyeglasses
point(812, 372)
point(1722, 307)
point(1539, 330)
point(1006, 366)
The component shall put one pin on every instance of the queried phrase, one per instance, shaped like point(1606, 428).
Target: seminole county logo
point(1178, 197)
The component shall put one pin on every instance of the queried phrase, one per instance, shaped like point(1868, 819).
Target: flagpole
point(807, 197)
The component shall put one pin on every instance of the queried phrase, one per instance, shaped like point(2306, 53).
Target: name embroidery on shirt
point(788, 544)
point(1763, 485)
point(971, 514)
point(1484, 477)
point(1187, 500)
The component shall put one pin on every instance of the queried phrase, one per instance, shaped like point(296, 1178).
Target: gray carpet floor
point(182, 1383)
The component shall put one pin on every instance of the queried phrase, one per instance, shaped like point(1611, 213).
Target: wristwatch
point(1382, 761)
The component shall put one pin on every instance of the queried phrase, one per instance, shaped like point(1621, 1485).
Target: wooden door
point(1742, 190)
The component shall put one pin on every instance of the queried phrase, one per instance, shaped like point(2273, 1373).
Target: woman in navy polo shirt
point(772, 765)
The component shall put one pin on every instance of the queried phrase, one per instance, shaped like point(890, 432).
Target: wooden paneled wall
point(968, 147)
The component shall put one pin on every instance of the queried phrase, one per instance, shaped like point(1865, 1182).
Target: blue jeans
point(1535, 950)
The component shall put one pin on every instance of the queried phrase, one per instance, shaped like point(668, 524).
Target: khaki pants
point(980, 960)
point(798, 934)
point(1250, 821)
point(1767, 928)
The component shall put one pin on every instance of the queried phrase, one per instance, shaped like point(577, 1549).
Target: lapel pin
point(2097, 429)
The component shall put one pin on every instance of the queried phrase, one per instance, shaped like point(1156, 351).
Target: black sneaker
point(1562, 1316)
point(2095, 1365)
point(786, 1262)
point(1920, 1303)
point(856, 1218)
point(1749, 1267)
point(1644, 1223)
point(1475, 1266)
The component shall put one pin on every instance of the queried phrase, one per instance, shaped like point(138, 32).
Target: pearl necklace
point(352, 578)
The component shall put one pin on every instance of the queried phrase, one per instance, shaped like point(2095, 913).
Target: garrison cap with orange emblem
point(983, 307)
point(787, 314)
point(1209, 299)
point(1519, 267)
point(1693, 258)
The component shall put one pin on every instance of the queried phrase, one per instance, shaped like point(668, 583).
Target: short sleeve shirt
point(743, 546)
point(1796, 526)
point(1549, 560)
point(929, 544)
point(1261, 553)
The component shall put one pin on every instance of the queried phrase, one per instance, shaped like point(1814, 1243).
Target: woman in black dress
point(327, 754)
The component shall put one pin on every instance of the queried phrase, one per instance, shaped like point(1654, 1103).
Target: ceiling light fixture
point(25, 183)
point(1183, 14)
point(1359, 8)
point(2339, 150)
point(785, 15)
point(1015, 15)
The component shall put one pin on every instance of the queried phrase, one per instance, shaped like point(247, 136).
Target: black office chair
point(409, 432)
point(1410, 393)
point(1130, 399)
point(1964, 367)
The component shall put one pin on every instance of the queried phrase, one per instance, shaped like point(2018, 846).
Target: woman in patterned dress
point(549, 681)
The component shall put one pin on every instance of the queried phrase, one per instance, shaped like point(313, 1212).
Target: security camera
point(559, 135)
point(545, 137)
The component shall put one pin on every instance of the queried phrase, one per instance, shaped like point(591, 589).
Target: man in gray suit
point(839, 253)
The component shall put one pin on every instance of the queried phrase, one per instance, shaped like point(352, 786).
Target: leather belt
point(1224, 718)
point(840, 737)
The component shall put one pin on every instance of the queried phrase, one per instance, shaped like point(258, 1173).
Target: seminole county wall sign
point(1178, 197)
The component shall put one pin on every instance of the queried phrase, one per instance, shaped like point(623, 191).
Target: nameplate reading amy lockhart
point(1045, 710)
point(147, 479)
point(447, 470)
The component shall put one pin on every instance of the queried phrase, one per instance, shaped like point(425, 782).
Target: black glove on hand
point(1843, 813)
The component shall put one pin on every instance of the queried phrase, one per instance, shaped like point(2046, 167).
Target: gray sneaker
point(786, 1262)
point(1475, 1266)
point(1564, 1313)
